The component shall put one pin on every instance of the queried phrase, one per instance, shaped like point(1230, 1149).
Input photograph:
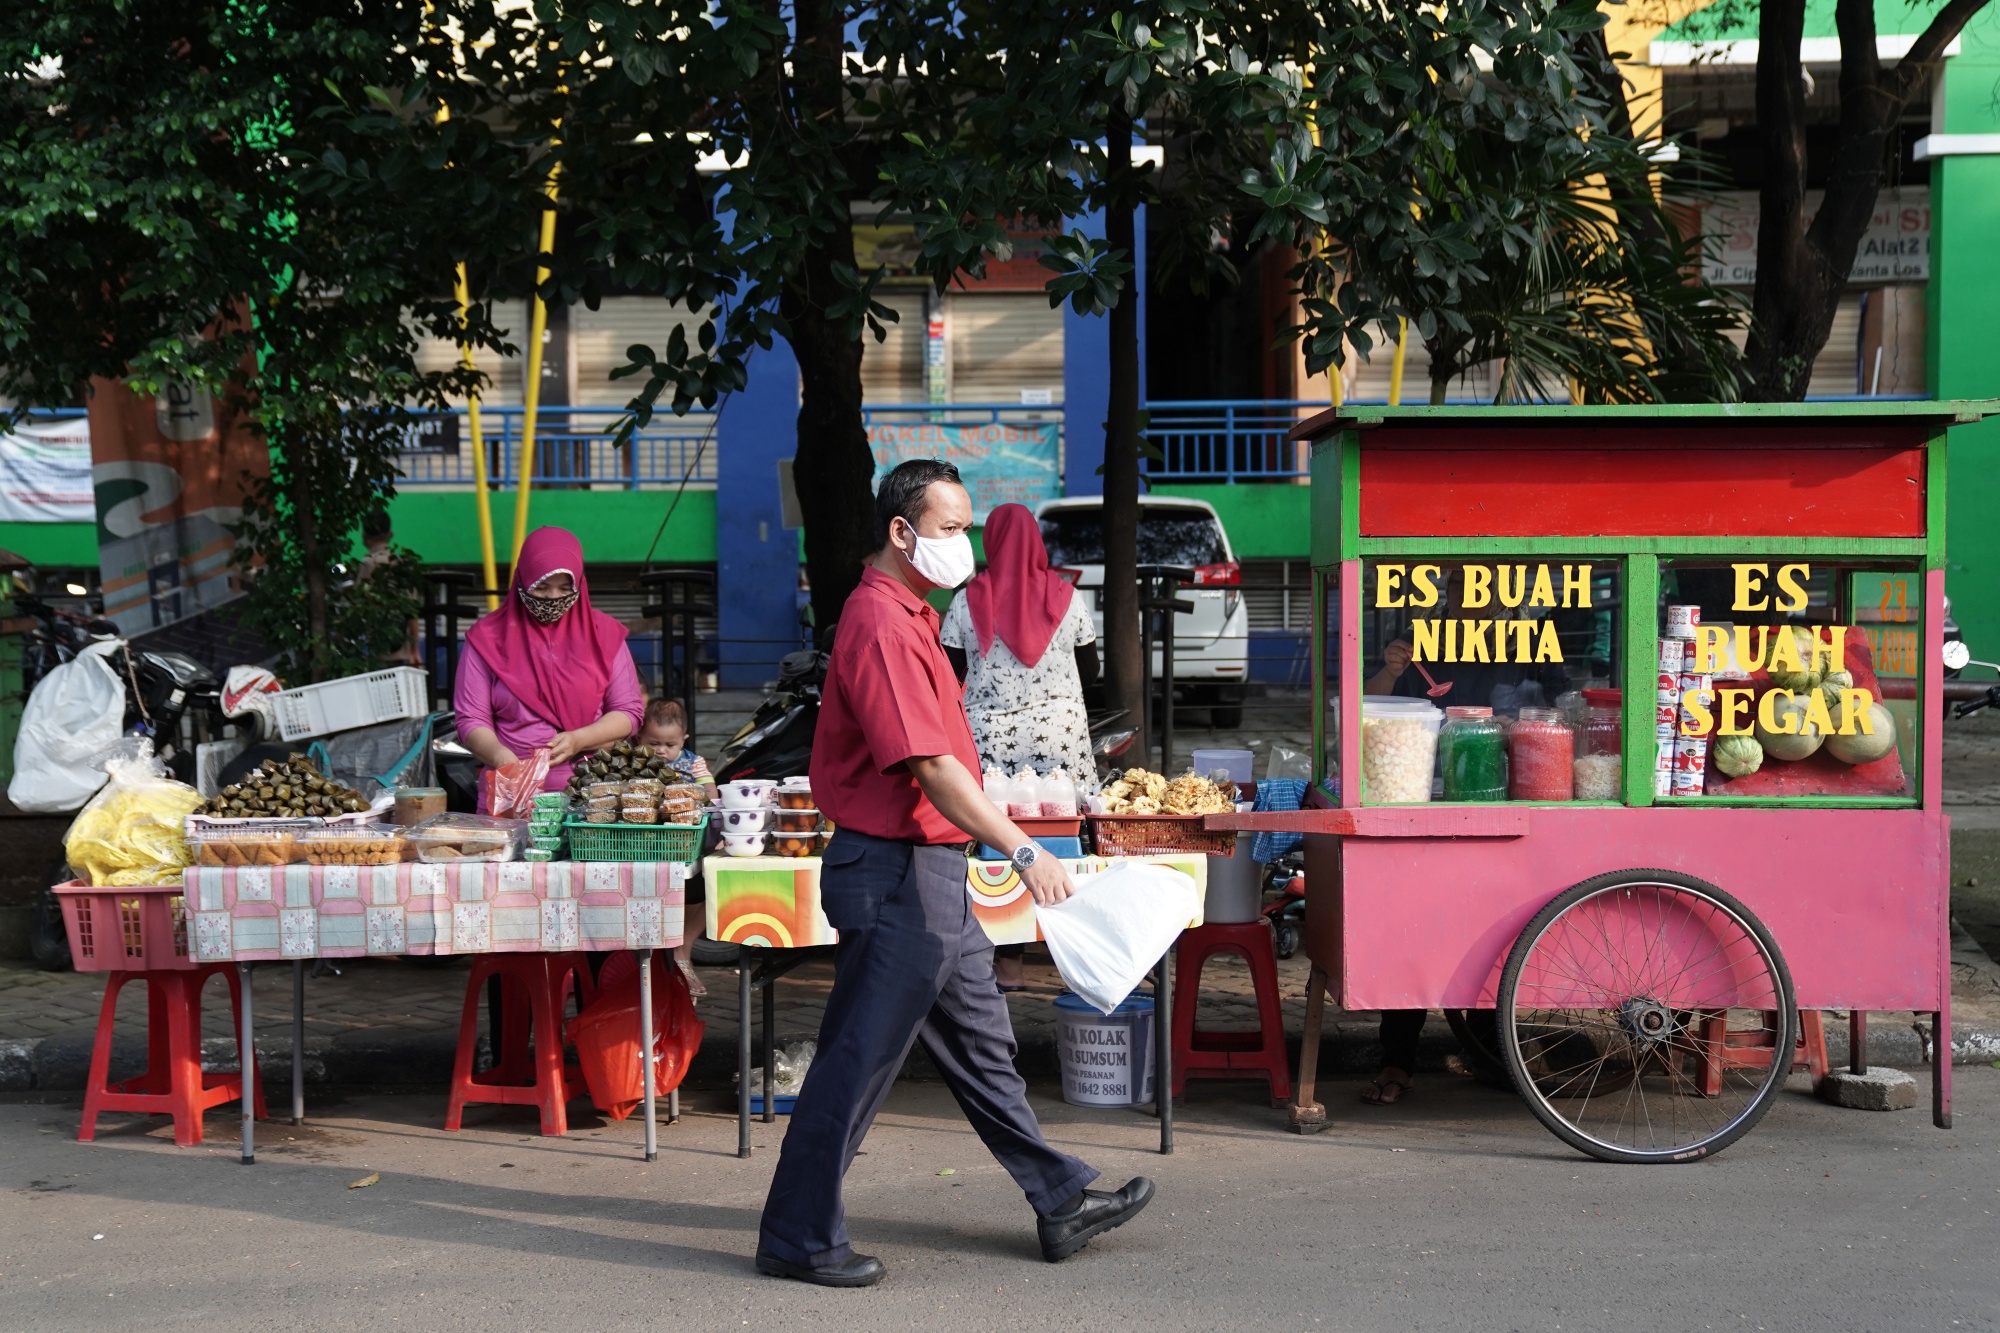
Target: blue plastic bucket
point(1106, 1059)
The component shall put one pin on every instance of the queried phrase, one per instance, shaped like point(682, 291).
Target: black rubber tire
point(710, 953)
point(1286, 939)
point(1510, 1044)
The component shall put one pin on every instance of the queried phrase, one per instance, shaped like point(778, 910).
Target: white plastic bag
point(74, 716)
point(999, 788)
point(1058, 795)
point(1108, 935)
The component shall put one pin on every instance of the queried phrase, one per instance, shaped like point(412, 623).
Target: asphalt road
point(1455, 1212)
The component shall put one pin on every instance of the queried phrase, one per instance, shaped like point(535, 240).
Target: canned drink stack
point(1663, 769)
point(1690, 764)
point(1683, 621)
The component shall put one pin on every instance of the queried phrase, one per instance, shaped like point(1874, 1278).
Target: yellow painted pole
point(484, 501)
point(1396, 363)
point(532, 391)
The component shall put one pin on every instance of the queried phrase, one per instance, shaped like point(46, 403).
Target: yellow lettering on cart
point(1524, 635)
point(1423, 640)
point(1735, 712)
point(1788, 583)
point(1549, 649)
point(1745, 659)
point(1695, 717)
point(1855, 706)
point(1511, 596)
point(1423, 585)
point(1767, 715)
point(1545, 588)
point(1816, 713)
point(1478, 586)
point(1576, 579)
point(1451, 640)
point(1785, 652)
point(1472, 641)
point(1832, 649)
point(1749, 582)
point(1387, 577)
point(1708, 640)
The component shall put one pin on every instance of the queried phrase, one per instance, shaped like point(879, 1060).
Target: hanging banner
point(170, 475)
point(45, 473)
point(1895, 248)
point(1002, 462)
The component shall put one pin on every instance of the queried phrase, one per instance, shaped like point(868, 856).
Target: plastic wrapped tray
point(248, 843)
point(461, 837)
point(352, 846)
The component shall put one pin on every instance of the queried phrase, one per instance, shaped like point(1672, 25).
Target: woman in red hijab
point(546, 669)
point(1021, 636)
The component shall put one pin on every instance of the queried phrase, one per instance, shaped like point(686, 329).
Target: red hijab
point(558, 671)
point(1018, 600)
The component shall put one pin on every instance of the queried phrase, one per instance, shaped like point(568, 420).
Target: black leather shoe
point(1063, 1234)
point(857, 1270)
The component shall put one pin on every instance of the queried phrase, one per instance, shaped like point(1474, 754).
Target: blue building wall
point(757, 557)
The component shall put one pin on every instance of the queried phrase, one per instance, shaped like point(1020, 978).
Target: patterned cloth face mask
point(548, 610)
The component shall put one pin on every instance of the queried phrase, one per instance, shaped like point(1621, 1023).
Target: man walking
point(894, 767)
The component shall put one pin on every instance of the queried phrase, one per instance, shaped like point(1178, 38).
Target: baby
point(665, 734)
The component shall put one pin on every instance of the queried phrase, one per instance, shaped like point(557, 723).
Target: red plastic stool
point(1230, 1054)
point(533, 990)
point(1718, 1049)
point(173, 1083)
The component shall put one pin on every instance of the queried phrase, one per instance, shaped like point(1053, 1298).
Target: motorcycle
point(777, 740)
point(1287, 877)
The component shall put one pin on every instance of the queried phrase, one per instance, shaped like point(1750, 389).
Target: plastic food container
point(800, 798)
point(639, 814)
point(798, 821)
point(353, 846)
point(743, 844)
point(600, 790)
point(1398, 749)
point(461, 837)
point(416, 804)
point(795, 844)
point(1542, 757)
point(1600, 746)
point(265, 846)
point(745, 821)
point(1472, 755)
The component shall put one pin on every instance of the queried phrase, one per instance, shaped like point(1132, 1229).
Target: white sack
point(74, 716)
point(1107, 936)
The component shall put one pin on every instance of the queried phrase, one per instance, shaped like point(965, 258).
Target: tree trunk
point(833, 467)
point(1801, 270)
point(1125, 670)
point(311, 565)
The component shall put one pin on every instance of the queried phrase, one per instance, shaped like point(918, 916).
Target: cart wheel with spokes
point(1617, 1008)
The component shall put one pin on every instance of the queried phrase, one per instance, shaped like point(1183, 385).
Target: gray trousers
point(912, 965)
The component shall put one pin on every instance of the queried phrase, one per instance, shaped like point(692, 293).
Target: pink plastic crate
point(142, 928)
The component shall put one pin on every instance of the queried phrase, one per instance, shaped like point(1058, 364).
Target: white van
point(1211, 642)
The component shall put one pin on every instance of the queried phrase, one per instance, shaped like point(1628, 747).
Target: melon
point(1791, 745)
point(1861, 748)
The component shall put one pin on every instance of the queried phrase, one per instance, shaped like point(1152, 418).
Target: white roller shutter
point(1834, 369)
point(503, 387)
point(1002, 343)
point(599, 338)
point(892, 371)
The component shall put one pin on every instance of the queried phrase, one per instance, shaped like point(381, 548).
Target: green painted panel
point(51, 543)
point(1263, 519)
point(1725, 22)
point(616, 527)
point(1639, 628)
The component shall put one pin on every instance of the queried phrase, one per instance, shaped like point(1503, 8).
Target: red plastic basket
point(140, 928)
point(1158, 835)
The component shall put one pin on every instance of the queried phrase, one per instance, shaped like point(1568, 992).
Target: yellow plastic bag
point(131, 831)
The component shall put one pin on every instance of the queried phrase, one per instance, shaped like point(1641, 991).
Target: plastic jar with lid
point(1398, 749)
point(1600, 746)
point(1542, 757)
point(1472, 755)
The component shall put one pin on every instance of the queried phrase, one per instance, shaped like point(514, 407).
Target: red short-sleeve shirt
point(890, 696)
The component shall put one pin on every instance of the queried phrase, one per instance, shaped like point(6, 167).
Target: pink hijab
point(560, 671)
point(1017, 600)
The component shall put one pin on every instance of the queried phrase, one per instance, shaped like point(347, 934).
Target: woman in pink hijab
point(546, 669)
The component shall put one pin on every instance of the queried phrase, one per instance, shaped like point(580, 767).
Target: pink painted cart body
point(1428, 905)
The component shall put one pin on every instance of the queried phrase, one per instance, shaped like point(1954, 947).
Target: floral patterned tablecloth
point(260, 913)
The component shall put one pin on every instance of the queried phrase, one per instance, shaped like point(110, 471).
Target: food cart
point(1723, 837)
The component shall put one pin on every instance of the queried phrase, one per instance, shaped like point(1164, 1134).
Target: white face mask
point(945, 561)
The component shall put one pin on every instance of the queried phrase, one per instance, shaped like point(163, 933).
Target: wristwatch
point(1025, 855)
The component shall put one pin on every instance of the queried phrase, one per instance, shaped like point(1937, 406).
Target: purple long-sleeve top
point(483, 700)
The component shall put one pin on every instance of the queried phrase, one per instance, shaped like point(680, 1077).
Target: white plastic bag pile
point(1106, 937)
point(72, 720)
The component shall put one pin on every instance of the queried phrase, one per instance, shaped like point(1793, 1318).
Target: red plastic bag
point(606, 1033)
point(510, 790)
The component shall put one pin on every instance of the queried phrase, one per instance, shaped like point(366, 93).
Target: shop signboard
point(45, 473)
point(1002, 462)
point(1895, 248)
point(170, 475)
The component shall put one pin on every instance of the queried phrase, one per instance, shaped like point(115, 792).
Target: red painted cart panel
point(1858, 481)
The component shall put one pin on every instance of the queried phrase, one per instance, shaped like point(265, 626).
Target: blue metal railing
point(574, 446)
point(1228, 440)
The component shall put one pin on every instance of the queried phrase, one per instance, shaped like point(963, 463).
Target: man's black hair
point(905, 493)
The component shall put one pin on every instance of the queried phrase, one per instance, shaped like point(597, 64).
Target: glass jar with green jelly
point(1472, 755)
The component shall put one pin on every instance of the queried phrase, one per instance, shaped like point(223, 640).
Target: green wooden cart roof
point(1951, 412)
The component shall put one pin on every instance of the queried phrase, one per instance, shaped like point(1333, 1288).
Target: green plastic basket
point(635, 842)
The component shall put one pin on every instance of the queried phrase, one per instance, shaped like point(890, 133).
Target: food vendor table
point(772, 903)
point(1646, 953)
point(251, 914)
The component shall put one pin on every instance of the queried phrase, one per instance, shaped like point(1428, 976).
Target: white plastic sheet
point(1108, 935)
point(72, 720)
